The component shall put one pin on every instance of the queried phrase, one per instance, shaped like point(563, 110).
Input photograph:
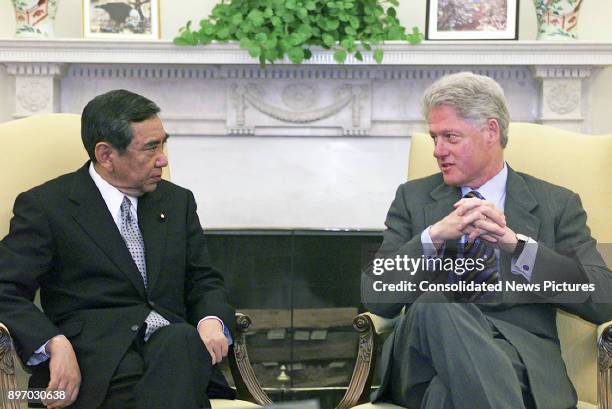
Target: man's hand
point(482, 219)
point(473, 217)
point(211, 332)
point(64, 371)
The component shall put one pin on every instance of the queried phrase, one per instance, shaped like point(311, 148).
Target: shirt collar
point(494, 190)
point(112, 196)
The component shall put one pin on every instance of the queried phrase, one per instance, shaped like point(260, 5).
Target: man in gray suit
point(448, 351)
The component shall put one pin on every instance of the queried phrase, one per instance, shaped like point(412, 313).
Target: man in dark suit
point(480, 348)
point(134, 315)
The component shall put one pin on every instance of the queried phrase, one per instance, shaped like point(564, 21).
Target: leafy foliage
point(273, 29)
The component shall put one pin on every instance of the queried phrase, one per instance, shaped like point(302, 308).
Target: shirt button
point(134, 327)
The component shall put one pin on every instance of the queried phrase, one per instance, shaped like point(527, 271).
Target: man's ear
point(104, 153)
point(493, 132)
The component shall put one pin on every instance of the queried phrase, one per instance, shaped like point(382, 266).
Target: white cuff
point(429, 249)
point(524, 264)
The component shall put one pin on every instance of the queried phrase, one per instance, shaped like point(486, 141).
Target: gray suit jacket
point(555, 218)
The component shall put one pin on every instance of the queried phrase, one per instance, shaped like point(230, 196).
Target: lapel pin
point(162, 217)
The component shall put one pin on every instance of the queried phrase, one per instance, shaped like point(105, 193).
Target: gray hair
point(475, 98)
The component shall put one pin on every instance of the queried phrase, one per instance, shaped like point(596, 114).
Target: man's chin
point(151, 187)
point(450, 181)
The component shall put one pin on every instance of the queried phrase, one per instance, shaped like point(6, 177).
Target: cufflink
point(162, 217)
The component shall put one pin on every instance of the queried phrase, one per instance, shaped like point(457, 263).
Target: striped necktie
point(478, 249)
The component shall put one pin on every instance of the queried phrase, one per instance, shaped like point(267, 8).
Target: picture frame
point(121, 19)
point(472, 20)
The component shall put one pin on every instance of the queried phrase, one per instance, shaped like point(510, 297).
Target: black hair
point(107, 118)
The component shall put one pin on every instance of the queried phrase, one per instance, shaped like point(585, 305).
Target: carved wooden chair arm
point(247, 385)
point(604, 365)
point(7, 369)
point(358, 391)
point(384, 325)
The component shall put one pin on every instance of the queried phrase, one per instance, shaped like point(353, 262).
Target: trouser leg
point(120, 392)
point(177, 370)
point(455, 343)
point(437, 395)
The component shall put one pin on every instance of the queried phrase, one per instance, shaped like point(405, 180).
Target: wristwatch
point(520, 245)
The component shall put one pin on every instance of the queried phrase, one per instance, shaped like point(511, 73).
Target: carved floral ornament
point(33, 95)
point(300, 103)
point(563, 98)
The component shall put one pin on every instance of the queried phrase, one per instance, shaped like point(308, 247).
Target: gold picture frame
point(121, 19)
point(472, 20)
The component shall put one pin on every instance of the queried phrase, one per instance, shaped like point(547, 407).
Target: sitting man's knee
point(434, 305)
point(181, 330)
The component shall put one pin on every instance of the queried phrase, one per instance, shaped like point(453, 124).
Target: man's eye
point(452, 137)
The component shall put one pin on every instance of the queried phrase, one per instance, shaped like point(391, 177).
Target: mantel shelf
point(438, 53)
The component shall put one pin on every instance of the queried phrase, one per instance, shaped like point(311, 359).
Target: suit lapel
point(92, 214)
point(519, 206)
point(153, 228)
point(444, 197)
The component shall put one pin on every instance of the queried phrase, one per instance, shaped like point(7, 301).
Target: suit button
point(134, 327)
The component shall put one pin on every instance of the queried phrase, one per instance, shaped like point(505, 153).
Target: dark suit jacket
point(555, 218)
point(64, 241)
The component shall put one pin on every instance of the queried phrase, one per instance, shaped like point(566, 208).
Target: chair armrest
point(383, 325)
point(247, 385)
point(604, 365)
point(7, 369)
point(370, 327)
point(358, 390)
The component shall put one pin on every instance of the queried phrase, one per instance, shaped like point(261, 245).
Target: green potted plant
point(273, 29)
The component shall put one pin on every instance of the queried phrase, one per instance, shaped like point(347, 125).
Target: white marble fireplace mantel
point(311, 145)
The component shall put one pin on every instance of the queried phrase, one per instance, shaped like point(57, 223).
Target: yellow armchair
point(579, 162)
point(37, 149)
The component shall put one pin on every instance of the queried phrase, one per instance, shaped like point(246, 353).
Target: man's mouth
point(444, 167)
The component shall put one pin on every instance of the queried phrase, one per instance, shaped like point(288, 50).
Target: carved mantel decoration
point(317, 98)
point(345, 106)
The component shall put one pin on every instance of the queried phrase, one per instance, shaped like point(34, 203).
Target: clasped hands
point(475, 218)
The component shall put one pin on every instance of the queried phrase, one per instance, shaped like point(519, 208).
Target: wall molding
point(396, 53)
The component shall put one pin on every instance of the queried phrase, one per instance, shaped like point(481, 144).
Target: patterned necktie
point(478, 249)
point(135, 244)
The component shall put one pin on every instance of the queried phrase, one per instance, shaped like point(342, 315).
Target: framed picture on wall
point(121, 19)
point(472, 20)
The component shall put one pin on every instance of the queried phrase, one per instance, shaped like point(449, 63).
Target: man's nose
point(162, 160)
point(440, 150)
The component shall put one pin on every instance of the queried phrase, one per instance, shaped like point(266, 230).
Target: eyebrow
point(445, 131)
point(156, 143)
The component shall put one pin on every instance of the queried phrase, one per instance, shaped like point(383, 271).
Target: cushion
point(232, 404)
